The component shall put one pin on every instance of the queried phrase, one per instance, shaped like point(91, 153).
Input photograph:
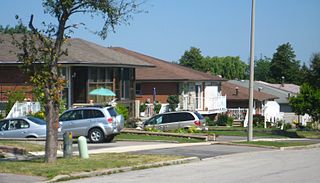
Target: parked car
point(175, 120)
point(97, 123)
point(23, 127)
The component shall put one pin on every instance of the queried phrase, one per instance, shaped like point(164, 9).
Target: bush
point(40, 115)
point(142, 107)
point(258, 120)
point(287, 126)
point(209, 122)
point(157, 107)
point(14, 96)
point(122, 109)
point(173, 101)
point(224, 120)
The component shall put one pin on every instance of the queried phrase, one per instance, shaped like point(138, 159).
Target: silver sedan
point(23, 127)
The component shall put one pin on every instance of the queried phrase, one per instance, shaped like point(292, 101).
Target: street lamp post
point(251, 74)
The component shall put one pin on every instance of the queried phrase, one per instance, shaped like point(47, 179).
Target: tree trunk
point(52, 117)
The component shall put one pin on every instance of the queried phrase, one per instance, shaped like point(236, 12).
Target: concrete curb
point(123, 169)
point(270, 147)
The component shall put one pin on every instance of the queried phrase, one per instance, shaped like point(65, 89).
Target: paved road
point(268, 166)
point(203, 151)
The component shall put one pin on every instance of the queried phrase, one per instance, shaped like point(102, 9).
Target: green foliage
point(193, 59)
point(13, 97)
point(1, 117)
point(18, 29)
point(122, 109)
point(314, 72)
point(209, 122)
point(224, 120)
point(229, 67)
point(142, 107)
point(40, 115)
point(262, 69)
point(173, 101)
point(157, 107)
point(191, 129)
point(284, 64)
point(151, 129)
point(258, 120)
point(307, 102)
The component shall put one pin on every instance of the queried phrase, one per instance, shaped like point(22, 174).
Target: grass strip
point(37, 167)
point(26, 145)
point(278, 143)
point(143, 137)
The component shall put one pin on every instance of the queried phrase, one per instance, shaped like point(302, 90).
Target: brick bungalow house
point(197, 90)
point(88, 66)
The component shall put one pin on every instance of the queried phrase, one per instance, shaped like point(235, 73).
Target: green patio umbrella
point(102, 92)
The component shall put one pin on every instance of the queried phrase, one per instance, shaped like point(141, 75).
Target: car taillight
point(110, 120)
point(197, 123)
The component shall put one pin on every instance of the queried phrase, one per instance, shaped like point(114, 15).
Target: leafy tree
point(314, 72)
point(173, 101)
point(284, 64)
point(228, 67)
point(192, 58)
point(262, 69)
point(307, 102)
point(20, 28)
point(42, 49)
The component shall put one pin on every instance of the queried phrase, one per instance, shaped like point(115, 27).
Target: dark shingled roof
point(229, 90)
point(79, 52)
point(166, 71)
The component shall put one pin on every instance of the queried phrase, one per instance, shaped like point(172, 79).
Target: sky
point(217, 27)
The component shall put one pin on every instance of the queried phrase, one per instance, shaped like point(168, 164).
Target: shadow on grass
point(285, 133)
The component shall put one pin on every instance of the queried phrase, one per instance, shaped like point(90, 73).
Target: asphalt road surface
point(289, 166)
point(203, 151)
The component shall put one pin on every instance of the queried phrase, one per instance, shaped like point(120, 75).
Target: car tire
point(109, 138)
point(96, 135)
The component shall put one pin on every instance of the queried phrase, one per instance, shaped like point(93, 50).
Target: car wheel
point(109, 138)
point(96, 135)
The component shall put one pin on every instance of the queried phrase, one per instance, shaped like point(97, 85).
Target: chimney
point(237, 91)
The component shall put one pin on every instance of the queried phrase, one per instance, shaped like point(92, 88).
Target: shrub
point(142, 107)
point(173, 101)
point(122, 109)
point(40, 115)
point(14, 96)
point(287, 126)
point(258, 120)
point(157, 107)
point(209, 122)
point(224, 120)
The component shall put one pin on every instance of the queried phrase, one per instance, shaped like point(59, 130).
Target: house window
point(138, 89)
point(99, 77)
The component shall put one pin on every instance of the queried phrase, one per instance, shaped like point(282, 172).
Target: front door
point(79, 84)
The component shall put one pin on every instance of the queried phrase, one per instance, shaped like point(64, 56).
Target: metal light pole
point(251, 73)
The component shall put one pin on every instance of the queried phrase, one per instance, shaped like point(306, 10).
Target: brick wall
point(163, 90)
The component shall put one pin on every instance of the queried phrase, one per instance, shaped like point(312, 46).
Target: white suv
point(98, 124)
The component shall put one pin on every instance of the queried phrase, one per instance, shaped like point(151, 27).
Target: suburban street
point(264, 166)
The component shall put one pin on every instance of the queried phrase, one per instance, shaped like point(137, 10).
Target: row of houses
point(136, 78)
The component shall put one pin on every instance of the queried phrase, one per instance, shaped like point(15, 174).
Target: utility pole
point(251, 74)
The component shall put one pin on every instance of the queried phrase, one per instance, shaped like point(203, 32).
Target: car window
point(22, 124)
point(37, 120)
point(91, 113)
point(199, 115)
point(14, 124)
point(154, 120)
point(169, 118)
point(185, 116)
point(4, 125)
point(112, 112)
point(71, 115)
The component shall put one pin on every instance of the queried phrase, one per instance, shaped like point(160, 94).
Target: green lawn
point(278, 143)
point(309, 134)
point(37, 167)
point(26, 145)
point(244, 133)
point(142, 137)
